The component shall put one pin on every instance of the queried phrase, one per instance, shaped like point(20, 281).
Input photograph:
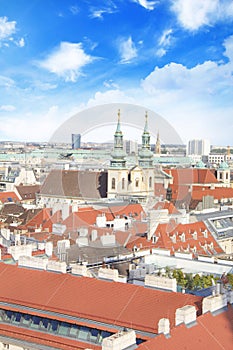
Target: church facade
point(136, 181)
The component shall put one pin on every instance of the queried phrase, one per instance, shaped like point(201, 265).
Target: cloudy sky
point(58, 57)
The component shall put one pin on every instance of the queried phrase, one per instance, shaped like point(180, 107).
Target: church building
point(137, 181)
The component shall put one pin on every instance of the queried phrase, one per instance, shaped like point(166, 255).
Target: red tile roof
point(113, 303)
point(187, 176)
point(9, 197)
point(170, 237)
point(210, 332)
point(87, 216)
point(166, 205)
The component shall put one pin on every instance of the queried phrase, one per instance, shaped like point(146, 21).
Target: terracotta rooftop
point(192, 237)
point(210, 332)
point(75, 183)
point(113, 303)
point(166, 205)
point(9, 197)
point(187, 176)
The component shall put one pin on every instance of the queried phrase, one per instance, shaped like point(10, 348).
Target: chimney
point(214, 303)
point(186, 314)
point(164, 326)
point(120, 341)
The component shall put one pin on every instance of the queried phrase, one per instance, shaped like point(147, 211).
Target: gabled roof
point(187, 238)
point(166, 205)
point(87, 216)
point(28, 192)
point(210, 332)
point(113, 303)
point(187, 176)
point(12, 209)
point(75, 184)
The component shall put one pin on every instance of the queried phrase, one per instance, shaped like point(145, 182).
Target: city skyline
point(172, 57)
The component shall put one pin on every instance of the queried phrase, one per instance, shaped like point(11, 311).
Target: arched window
point(150, 181)
point(113, 183)
point(123, 184)
point(136, 183)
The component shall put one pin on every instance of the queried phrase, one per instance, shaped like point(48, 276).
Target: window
point(136, 183)
point(35, 322)
point(26, 319)
point(54, 325)
point(74, 330)
point(150, 181)
point(83, 333)
point(123, 184)
point(44, 324)
point(113, 183)
point(94, 335)
point(63, 328)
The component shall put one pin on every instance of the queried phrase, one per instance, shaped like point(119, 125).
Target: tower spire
point(146, 123)
point(145, 154)
point(118, 154)
point(118, 121)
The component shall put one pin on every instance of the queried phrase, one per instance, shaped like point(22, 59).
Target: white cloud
point(147, 4)
point(193, 14)
point(7, 108)
point(110, 96)
point(165, 39)
point(74, 9)
point(6, 82)
point(100, 12)
point(21, 42)
point(228, 44)
point(67, 60)
point(7, 28)
point(127, 50)
point(195, 100)
point(31, 127)
point(161, 52)
point(164, 42)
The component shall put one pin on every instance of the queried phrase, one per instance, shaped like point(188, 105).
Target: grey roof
point(75, 184)
point(220, 223)
point(94, 253)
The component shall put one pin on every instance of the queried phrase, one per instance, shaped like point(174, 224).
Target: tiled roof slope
point(9, 197)
point(187, 176)
point(109, 302)
point(75, 183)
point(187, 238)
point(87, 216)
point(28, 192)
point(166, 205)
point(210, 332)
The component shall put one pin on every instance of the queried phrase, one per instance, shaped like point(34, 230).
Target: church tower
point(145, 163)
point(118, 154)
point(145, 154)
point(117, 172)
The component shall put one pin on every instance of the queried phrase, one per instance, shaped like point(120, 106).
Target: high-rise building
point(198, 147)
point(76, 141)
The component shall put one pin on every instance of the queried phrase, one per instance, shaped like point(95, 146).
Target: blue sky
point(58, 57)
